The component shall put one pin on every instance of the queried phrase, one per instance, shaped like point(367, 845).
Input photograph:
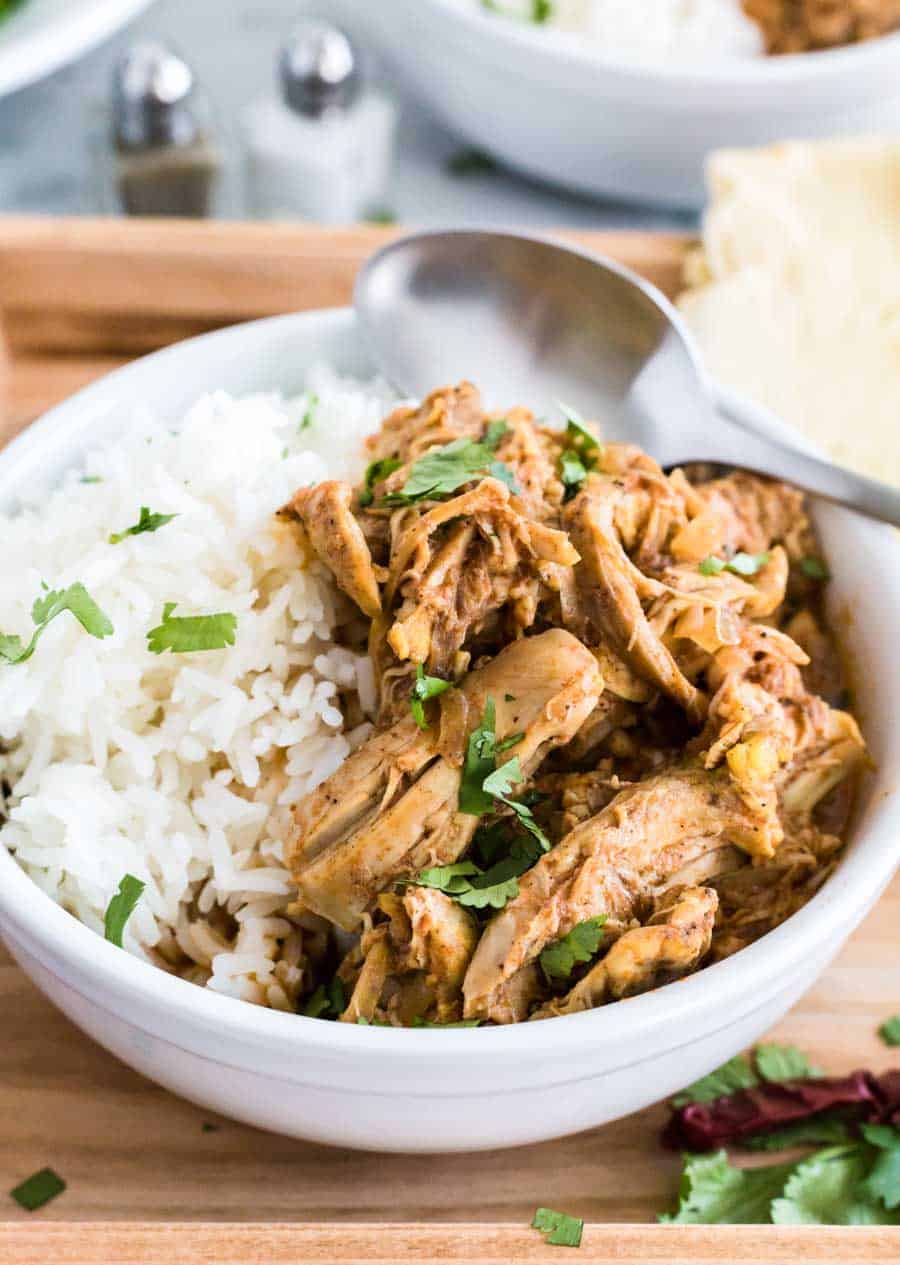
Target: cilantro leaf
point(713, 1192)
point(121, 907)
point(45, 609)
point(512, 740)
point(376, 472)
point(559, 960)
point(815, 569)
point(146, 522)
point(783, 1063)
point(424, 688)
point(883, 1181)
point(450, 879)
point(38, 1189)
point(184, 634)
point(442, 470)
point(579, 435)
point(829, 1188)
point(327, 1001)
point(559, 1228)
point(479, 764)
point(743, 564)
point(477, 889)
point(500, 470)
point(890, 1031)
point(731, 1076)
point(572, 472)
point(817, 1131)
point(495, 432)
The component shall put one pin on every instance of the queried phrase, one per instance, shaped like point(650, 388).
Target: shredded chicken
point(641, 665)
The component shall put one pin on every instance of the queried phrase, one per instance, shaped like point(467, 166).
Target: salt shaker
point(164, 160)
point(322, 148)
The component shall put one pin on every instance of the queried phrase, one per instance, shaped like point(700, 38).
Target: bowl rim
point(787, 69)
point(55, 936)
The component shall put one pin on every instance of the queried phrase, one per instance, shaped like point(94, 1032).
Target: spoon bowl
point(529, 319)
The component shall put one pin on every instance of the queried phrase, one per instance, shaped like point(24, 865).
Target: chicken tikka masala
point(610, 747)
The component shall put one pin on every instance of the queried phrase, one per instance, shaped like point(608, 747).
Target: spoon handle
point(751, 451)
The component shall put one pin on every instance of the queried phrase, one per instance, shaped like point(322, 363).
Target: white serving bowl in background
point(548, 103)
point(423, 1090)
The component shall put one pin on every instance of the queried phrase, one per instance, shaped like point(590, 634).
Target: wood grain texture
point(79, 297)
point(138, 1244)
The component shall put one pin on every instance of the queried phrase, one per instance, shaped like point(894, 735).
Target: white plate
point(43, 35)
point(393, 1090)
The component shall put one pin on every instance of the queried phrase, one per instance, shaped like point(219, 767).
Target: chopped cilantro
point(512, 741)
point(579, 435)
point(442, 471)
point(783, 1063)
point(500, 470)
point(470, 161)
point(833, 1187)
point(498, 785)
point(713, 1192)
point(38, 1189)
point(541, 10)
point(419, 1022)
point(481, 889)
point(146, 522)
point(121, 907)
point(572, 472)
point(883, 1181)
point(559, 1229)
point(479, 764)
point(51, 603)
point(890, 1031)
point(327, 1001)
point(309, 412)
point(375, 473)
point(495, 432)
point(184, 634)
point(815, 569)
point(372, 1023)
point(559, 960)
point(744, 564)
point(425, 687)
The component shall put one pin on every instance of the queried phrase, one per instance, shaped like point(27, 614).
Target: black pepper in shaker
point(164, 157)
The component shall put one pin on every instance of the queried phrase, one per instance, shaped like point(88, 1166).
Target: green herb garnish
point(583, 451)
point(90, 478)
point(890, 1031)
point(419, 1022)
point(728, 1079)
point(375, 472)
point(424, 688)
point(443, 470)
point(512, 741)
point(559, 960)
point(51, 603)
point(327, 1001)
point(38, 1189)
point(559, 1229)
point(121, 907)
point(783, 1063)
point(815, 569)
point(309, 412)
point(146, 522)
point(472, 887)
point(498, 785)
point(845, 1185)
point(744, 564)
point(184, 634)
point(479, 764)
point(712, 1192)
point(823, 1130)
point(495, 432)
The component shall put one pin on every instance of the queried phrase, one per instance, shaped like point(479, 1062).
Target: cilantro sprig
point(184, 634)
point(582, 451)
point(376, 471)
point(121, 907)
point(425, 688)
point(147, 522)
point(559, 960)
point(743, 564)
point(442, 471)
point(558, 1228)
point(46, 608)
point(483, 782)
point(770, 1063)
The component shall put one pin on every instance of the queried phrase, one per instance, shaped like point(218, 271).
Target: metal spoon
point(535, 322)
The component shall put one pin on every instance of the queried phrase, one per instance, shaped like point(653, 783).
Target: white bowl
point(429, 1090)
point(545, 102)
point(46, 34)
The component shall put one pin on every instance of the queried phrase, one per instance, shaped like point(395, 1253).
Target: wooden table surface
point(78, 298)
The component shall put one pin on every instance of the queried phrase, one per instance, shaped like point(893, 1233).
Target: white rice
point(651, 30)
point(180, 768)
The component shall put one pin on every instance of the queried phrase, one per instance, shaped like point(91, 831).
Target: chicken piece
point(672, 944)
point(446, 414)
point(351, 841)
point(325, 514)
point(611, 587)
point(752, 514)
point(613, 864)
point(413, 965)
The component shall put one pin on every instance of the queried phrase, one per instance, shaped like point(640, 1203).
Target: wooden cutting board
point(78, 298)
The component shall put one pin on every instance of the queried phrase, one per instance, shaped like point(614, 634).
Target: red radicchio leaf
point(706, 1126)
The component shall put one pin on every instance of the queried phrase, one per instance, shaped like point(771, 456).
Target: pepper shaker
point(322, 148)
point(164, 161)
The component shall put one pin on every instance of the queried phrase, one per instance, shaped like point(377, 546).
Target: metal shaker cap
point(154, 100)
point(319, 69)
